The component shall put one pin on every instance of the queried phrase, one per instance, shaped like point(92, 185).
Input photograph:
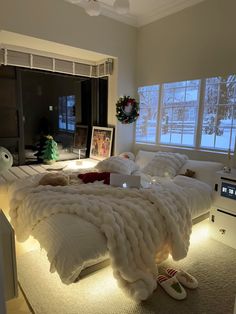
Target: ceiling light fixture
point(93, 7)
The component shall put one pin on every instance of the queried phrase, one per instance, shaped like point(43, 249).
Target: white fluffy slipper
point(184, 278)
point(172, 287)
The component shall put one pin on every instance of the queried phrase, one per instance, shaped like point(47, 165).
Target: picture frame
point(81, 136)
point(101, 142)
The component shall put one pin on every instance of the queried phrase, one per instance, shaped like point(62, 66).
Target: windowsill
point(65, 131)
point(184, 148)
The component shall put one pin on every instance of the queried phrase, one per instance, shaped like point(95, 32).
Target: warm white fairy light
point(27, 246)
point(80, 164)
point(200, 232)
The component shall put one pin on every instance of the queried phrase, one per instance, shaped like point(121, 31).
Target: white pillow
point(144, 157)
point(204, 170)
point(127, 155)
point(165, 164)
point(117, 164)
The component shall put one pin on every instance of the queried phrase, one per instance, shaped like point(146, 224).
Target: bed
point(83, 227)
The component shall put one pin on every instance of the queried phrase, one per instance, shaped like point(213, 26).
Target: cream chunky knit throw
point(140, 226)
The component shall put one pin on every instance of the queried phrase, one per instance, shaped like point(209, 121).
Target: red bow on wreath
point(130, 102)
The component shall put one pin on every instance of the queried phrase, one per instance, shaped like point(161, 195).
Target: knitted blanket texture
point(142, 226)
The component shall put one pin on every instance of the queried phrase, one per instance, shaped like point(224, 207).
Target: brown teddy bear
point(189, 173)
point(54, 179)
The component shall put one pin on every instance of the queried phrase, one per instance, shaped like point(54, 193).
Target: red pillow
point(95, 176)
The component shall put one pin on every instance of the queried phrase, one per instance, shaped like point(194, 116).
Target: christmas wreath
point(127, 109)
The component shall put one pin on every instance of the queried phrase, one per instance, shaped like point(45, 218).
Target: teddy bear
point(54, 179)
point(189, 173)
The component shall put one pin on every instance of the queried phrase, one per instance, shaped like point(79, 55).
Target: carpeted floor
point(212, 263)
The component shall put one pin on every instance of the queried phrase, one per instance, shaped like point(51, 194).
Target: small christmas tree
point(50, 151)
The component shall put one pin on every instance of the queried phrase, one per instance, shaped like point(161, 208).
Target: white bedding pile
point(141, 226)
point(117, 164)
point(165, 164)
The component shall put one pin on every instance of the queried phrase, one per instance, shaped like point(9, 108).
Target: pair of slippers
point(173, 284)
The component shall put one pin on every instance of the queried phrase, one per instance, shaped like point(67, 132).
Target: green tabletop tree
point(50, 151)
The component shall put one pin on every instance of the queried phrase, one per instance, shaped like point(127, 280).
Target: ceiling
point(142, 12)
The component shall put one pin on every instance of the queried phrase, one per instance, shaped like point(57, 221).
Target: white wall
point(58, 21)
point(195, 43)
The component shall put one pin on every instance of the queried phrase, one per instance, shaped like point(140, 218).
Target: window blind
point(1, 56)
point(35, 61)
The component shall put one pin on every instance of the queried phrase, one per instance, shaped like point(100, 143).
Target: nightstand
point(8, 258)
point(223, 211)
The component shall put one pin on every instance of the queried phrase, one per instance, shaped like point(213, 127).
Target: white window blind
point(42, 63)
point(84, 69)
point(17, 58)
point(49, 63)
point(1, 56)
point(63, 66)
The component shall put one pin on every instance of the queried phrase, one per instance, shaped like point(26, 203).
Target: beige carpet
point(212, 263)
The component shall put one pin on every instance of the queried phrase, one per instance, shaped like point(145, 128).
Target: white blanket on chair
point(140, 225)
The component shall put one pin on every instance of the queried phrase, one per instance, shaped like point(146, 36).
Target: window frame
point(66, 129)
point(232, 126)
point(198, 124)
point(158, 95)
point(161, 106)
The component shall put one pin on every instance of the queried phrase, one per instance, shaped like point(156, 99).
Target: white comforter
point(141, 226)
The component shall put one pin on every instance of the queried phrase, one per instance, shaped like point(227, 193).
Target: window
point(219, 118)
point(179, 107)
point(66, 113)
point(147, 123)
point(176, 119)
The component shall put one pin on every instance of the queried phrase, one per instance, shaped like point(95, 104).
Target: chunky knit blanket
point(141, 226)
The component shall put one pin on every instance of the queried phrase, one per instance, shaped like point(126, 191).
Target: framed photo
point(101, 143)
point(81, 136)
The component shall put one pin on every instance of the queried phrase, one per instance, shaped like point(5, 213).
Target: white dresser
point(223, 212)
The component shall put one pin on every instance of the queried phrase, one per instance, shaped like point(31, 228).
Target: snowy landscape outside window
point(219, 118)
point(146, 125)
point(178, 122)
point(179, 108)
point(66, 113)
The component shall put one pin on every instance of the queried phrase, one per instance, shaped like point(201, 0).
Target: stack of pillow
point(160, 164)
point(203, 170)
point(165, 164)
point(123, 164)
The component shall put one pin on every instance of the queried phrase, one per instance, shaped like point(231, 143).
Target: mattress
point(76, 247)
point(79, 245)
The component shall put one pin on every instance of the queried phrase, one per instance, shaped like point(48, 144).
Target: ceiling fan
point(94, 7)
